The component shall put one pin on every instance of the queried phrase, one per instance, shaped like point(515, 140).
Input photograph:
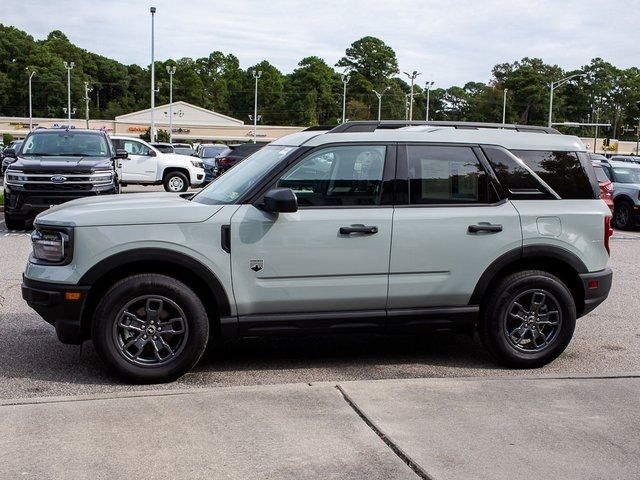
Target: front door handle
point(485, 227)
point(359, 228)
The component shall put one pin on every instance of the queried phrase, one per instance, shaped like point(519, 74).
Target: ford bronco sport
point(365, 228)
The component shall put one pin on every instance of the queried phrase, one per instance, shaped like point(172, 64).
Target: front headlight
point(101, 177)
point(15, 177)
point(197, 163)
point(51, 246)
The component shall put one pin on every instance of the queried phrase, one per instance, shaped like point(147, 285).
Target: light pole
point(345, 80)
point(69, 67)
point(428, 86)
point(256, 74)
point(379, 95)
point(504, 105)
point(31, 74)
point(597, 115)
point(171, 70)
point(86, 101)
point(557, 84)
point(406, 106)
point(412, 76)
point(152, 131)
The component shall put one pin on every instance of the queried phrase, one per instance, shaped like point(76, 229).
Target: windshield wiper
point(37, 154)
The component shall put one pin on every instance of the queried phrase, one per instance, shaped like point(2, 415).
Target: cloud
point(450, 42)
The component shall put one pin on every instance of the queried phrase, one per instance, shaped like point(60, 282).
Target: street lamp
point(152, 131)
point(428, 86)
point(256, 74)
point(406, 105)
point(557, 84)
point(379, 95)
point(412, 76)
point(69, 67)
point(171, 70)
point(86, 101)
point(31, 74)
point(504, 105)
point(345, 80)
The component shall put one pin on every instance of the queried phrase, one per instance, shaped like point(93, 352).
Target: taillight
point(223, 161)
point(608, 232)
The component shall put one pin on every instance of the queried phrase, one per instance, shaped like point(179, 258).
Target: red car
point(606, 186)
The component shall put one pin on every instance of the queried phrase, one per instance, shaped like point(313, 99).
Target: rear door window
point(562, 171)
point(517, 181)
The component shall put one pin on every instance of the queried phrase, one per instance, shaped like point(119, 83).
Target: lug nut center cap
point(151, 329)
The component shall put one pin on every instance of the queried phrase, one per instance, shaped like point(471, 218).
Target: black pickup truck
point(53, 166)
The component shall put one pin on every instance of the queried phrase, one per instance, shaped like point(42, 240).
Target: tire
point(13, 223)
point(623, 215)
point(118, 336)
point(176, 182)
point(528, 344)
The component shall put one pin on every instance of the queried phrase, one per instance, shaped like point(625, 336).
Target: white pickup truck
point(146, 165)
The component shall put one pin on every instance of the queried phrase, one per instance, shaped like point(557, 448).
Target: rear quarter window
point(562, 171)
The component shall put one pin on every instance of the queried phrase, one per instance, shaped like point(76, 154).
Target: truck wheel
point(13, 223)
point(623, 215)
point(176, 182)
point(528, 319)
point(150, 328)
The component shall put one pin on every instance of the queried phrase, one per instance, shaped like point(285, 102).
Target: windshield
point(600, 174)
point(64, 143)
point(210, 152)
point(627, 175)
point(240, 179)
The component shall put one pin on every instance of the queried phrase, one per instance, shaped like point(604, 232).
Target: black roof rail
point(373, 125)
point(318, 128)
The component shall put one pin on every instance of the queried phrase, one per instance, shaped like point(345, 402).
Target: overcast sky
point(450, 42)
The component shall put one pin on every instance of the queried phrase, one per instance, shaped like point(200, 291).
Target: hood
point(62, 164)
point(176, 157)
point(127, 209)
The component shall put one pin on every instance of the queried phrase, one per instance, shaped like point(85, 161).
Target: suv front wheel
point(528, 320)
point(150, 328)
point(176, 182)
point(623, 215)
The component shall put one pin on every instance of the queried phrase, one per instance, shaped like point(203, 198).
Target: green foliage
point(7, 138)
point(312, 93)
point(162, 136)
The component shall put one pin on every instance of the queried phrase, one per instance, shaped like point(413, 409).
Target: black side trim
point(166, 257)
point(225, 238)
point(437, 319)
point(530, 251)
point(595, 296)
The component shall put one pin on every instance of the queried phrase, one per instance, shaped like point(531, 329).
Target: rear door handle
point(485, 227)
point(359, 228)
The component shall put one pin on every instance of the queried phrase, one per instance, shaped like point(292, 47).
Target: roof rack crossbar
point(373, 125)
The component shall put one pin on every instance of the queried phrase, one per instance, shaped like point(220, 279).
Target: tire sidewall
point(495, 314)
point(126, 290)
point(629, 214)
point(181, 176)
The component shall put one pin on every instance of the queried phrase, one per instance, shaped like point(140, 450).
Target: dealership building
point(190, 122)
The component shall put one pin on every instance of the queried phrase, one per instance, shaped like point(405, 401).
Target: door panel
point(139, 166)
point(307, 265)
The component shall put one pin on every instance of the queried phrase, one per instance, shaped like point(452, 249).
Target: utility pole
point(504, 105)
point(152, 131)
point(412, 76)
point(86, 101)
point(379, 95)
point(256, 75)
point(555, 85)
point(171, 70)
point(69, 67)
point(31, 74)
point(638, 137)
point(595, 138)
point(407, 100)
point(428, 86)
point(345, 80)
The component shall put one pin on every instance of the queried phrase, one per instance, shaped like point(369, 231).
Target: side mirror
point(121, 153)
point(152, 153)
point(9, 152)
point(280, 200)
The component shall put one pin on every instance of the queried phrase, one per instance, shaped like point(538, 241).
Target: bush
point(162, 136)
point(7, 138)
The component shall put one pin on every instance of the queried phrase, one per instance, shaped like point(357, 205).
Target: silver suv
point(365, 228)
point(626, 192)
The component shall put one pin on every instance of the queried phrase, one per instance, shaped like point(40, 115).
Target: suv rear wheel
point(528, 320)
point(176, 182)
point(150, 328)
point(623, 215)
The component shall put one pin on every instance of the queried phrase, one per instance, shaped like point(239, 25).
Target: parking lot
point(35, 364)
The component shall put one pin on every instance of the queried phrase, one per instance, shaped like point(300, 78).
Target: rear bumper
point(48, 300)
point(596, 288)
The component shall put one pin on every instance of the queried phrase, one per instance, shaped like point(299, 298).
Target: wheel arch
point(167, 170)
point(155, 260)
point(553, 259)
point(623, 197)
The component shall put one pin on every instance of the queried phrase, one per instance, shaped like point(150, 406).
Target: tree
point(162, 136)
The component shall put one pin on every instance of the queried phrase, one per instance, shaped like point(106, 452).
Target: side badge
point(256, 265)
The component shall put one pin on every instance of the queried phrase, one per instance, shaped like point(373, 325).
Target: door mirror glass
point(121, 153)
point(280, 200)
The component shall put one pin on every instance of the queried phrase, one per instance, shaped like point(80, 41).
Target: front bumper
point(596, 288)
point(48, 300)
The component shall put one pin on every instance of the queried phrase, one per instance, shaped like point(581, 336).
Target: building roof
point(183, 114)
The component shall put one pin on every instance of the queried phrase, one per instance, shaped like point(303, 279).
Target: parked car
point(234, 155)
point(297, 239)
point(54, 166)
point(146, 165)
point(626, 192)
point(6, 161)
point(163, 147)
point(625, 158)
point(606, 185)
point(183, 149)
point(208, 152)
